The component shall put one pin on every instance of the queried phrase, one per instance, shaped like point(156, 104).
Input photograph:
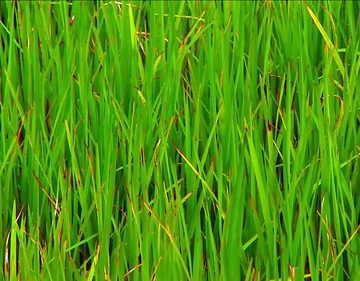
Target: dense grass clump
point(178, 140)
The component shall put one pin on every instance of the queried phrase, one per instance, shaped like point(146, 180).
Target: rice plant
point(179, 140)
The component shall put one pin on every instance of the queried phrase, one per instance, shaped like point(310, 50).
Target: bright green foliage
point(178, 140)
